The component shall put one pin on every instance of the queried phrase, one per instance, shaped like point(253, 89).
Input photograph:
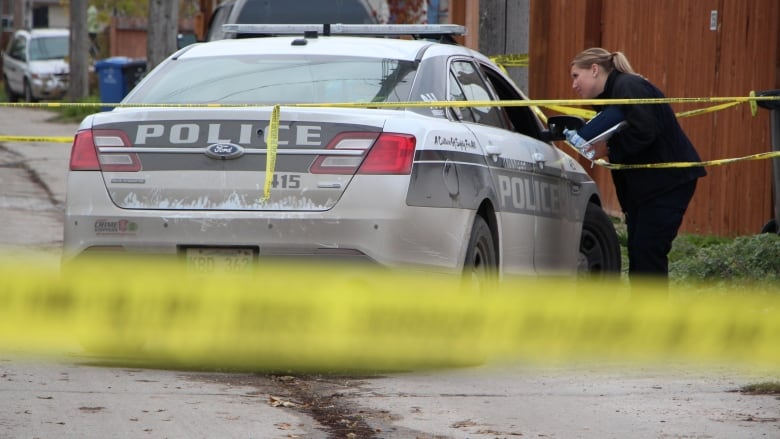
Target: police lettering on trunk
point(244, 134)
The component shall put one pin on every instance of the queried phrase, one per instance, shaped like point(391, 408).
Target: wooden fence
point(672, 43)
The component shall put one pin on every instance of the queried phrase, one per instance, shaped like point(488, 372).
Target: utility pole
point(504, 30)
point(22, 14)
point(79, 49)
point(163, 31)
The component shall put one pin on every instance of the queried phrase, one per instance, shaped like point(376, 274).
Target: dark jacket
point(653, 135)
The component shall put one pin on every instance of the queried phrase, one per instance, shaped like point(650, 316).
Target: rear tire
point(599, 245)
point(480, 270)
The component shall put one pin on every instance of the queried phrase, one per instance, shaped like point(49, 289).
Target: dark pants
point(652, 227)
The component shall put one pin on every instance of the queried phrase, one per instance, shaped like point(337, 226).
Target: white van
point(34, 64)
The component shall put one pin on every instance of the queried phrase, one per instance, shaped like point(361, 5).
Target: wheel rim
point(591, 259)
point(480, 266)
point(481, 272)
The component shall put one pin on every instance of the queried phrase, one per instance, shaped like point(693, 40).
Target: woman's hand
point(599, 150)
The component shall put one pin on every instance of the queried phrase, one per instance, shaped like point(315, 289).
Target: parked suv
point(35, 66)
point(289, 12)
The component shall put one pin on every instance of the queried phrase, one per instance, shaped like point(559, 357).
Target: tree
point(163, 31)
point(78, 87)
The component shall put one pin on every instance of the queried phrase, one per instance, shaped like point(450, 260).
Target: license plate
point(220, 260)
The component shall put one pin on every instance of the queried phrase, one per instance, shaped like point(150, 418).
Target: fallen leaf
point(463, 424)
point(277, 402)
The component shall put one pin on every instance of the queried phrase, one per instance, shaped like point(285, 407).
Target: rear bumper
point(363, 226)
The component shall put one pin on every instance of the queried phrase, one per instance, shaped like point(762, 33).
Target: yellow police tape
point(559, 105)
point(40, 139)
point(718, 162)
point(417, 104)
point(273, 145)
point(589, 114)
point(511, 60)
point(332, 317)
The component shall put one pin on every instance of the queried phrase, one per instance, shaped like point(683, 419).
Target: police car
point(357, 167)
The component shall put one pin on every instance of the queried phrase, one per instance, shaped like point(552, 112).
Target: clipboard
point(604, 136)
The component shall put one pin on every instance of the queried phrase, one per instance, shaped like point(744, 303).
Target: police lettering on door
point(535, 196)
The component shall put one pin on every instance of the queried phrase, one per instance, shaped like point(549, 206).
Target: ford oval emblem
point(224, 151)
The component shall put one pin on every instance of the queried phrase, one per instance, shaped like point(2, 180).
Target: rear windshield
point(48, 48)
point(277, 80)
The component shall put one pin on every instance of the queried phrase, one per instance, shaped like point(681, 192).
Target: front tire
point(480, 270)
point(28, 95)
point(599, 245)
point(9, 94)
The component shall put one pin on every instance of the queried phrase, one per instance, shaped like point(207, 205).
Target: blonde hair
point(605, 59)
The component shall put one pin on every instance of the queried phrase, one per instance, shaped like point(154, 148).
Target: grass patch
point(742, 260)
point(686, 245)
point(73, 113)
point(764, 388)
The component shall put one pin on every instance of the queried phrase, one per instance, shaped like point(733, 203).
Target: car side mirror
point(557, 124)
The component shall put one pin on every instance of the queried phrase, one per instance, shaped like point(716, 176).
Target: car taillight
point(392, 154)
point(368, 153)
point(83, 155)
point(347, 153)
point(95, 150)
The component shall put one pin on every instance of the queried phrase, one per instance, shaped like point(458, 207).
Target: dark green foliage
point(763, 388)
point(689, 245)
point(72, 113)
point(744, 259)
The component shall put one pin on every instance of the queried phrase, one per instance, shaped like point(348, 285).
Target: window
point(279, 79)
point(522, 119)
point(48, 48)
point(456, 94)
point(473, 88)
point(19, 48)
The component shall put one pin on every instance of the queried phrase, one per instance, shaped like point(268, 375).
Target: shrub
point(745, 259)
point(689, 245)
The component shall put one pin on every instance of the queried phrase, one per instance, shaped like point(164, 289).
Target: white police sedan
point(194, 165)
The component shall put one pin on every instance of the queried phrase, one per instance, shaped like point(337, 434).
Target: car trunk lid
point(216, 159)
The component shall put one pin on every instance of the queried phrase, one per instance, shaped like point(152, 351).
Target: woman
point(654, 201)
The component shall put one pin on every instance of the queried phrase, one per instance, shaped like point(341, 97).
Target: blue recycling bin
point(117, 76)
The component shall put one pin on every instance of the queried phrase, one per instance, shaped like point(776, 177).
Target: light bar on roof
point(346, 29)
